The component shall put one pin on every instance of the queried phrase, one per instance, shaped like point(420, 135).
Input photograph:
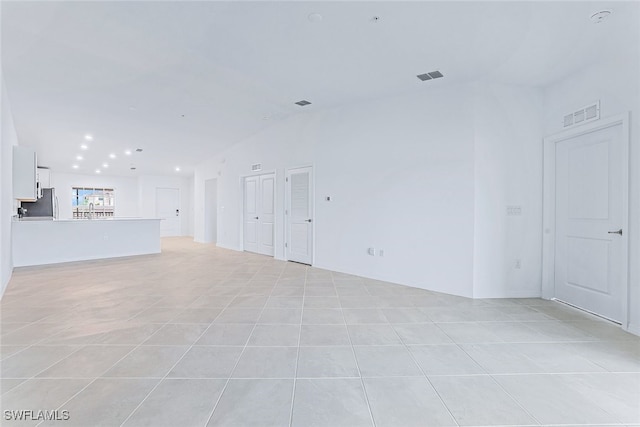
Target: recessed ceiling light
point(177, 168)
point(314, 17)
point(75, 166)
point(79, 157)
point(127, 152)
point(112, 156)
point(303, 103)
point(84, 147)
point(97, 170)
point(133, 168)
point(600, 16)
point(88, 137)
point(105, 165)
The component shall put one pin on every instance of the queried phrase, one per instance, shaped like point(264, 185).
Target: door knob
point(616, 232)
point(307, 220)
point(256, 217)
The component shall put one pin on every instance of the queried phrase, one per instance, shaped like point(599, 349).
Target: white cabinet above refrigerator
point(25, 186)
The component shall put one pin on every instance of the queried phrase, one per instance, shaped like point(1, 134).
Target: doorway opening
point(211, 210)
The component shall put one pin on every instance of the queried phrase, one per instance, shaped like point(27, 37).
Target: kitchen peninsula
point(38, 241)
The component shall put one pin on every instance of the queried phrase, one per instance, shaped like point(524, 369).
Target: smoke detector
point(314, 17)
point(599, 17)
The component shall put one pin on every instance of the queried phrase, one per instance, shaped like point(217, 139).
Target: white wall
point(427, 178)
point(400, 173)
point(147, 186)
point(8, 138)
point(614, 81)
point(126, 190)
point(210, 211)
point(190, 219)
point(508, 172)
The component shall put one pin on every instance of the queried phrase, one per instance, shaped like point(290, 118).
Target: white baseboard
point(223, 246)
point(633, 329)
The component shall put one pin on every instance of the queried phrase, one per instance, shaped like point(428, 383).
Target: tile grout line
point(80, 347)
point(119, 360)
point(176, 363)
point(353, 351)
point(406, 347)
point(295, 374)
point(109, 368)
point(224, 388)
point(492, 378)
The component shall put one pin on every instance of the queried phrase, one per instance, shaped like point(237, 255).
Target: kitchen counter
point(38, 241)
point(49, 218)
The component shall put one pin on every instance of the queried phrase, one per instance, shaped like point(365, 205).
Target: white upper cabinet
point(25, 187)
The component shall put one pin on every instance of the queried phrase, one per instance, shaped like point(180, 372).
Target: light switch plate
point(514, 210)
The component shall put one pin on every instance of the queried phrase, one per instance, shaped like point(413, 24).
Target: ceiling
point(185, 80)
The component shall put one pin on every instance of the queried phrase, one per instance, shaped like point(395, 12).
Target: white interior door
point(258, 227)
point(266, 221)
point(299, 215)
point(168, 210)
point(590, 254)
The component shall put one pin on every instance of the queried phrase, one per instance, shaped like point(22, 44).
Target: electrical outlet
point(517, 264)
point(372, 251)
point(381, 252)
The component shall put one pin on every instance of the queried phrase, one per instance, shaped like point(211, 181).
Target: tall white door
point(259, 214)
point(168, 210)
point(299, 215)
point(590, 250)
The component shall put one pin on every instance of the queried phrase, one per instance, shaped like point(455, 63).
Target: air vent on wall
point(303, 103)
point(256, 167)
point(584, 114)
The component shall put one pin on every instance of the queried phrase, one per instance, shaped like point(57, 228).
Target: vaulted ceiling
point(184, 80)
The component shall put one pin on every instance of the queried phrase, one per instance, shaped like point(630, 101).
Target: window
point(100, 201)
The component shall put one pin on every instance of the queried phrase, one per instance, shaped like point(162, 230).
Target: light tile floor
point(201, 336)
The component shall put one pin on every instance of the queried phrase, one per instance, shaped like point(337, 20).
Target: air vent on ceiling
point(139, 150)
point(429, 76)
point(256, 167)
point(584, 114)
point(303, 103)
